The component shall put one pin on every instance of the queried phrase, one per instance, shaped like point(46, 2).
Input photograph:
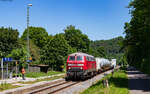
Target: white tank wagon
point(102, 64)
point(113, 63)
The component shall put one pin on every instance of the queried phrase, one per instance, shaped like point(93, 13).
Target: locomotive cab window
point(90, 58)
point(87, 58)
point(79, 58)
point(72, 58)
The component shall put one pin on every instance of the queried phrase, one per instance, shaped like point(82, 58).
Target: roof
point(80, 54)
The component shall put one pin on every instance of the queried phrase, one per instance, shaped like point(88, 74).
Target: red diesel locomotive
point(80, 66)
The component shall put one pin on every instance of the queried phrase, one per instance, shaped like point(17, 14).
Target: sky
point(99, 19)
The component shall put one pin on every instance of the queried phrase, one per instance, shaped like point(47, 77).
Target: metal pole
point(7, 69)
point(28, 49)
point(28, 38)
point(16, 70)
point(2, 67)
point(28, 67)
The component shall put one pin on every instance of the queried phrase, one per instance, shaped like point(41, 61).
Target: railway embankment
point(118, 84)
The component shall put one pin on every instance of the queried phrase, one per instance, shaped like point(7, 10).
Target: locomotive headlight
point(80, 64)
point(69, 68)
point(81, 68)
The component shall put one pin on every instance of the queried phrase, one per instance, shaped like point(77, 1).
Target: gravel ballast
point(76, 89)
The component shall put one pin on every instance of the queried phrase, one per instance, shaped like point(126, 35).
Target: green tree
point(37, 34)
point(19, 54)
point(137, 40)
point(101, 52)
point(111, 48)
point(76, 39)
point(8, 41)
point(55, 52)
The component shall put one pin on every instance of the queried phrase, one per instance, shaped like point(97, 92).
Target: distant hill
point(111, 46)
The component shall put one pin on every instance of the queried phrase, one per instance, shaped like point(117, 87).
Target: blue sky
point(99, 19)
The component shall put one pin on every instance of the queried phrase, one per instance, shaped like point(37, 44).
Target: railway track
point(58, 86)
point(54, 88)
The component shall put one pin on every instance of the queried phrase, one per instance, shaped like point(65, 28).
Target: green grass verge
point(41, 74)
point(6, 86)
point(39, 80)
point(118, 84)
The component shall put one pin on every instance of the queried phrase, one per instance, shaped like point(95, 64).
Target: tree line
point(109, 49)
point(52, 50)
point(137, 39)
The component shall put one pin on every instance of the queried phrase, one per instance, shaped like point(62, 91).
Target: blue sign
point(29, 61)
point(7, 59)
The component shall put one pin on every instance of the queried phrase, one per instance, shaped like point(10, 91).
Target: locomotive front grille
point(75, 69)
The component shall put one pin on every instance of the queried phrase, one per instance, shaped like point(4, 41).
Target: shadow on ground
point(138, 81)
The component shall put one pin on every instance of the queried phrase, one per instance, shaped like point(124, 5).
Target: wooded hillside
point(112, 46)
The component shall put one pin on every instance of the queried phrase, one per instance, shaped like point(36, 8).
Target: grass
point(39, 80)
point(118, 84)
point(41, 74)
point(6, 86)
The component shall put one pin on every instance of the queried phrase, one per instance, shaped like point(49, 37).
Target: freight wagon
point(102, 64)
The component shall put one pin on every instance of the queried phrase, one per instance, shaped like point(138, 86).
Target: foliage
point(37, 34)
point(8, 41)
point(112, 46)
point(38, 39)
point(108, 48)
point(55, 52)
point(35, 53)
point(137, 40)
point(118, 84)
point(18, 54)
point(76, 39)
point(99, 52)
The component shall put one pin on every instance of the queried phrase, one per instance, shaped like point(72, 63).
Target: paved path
point(138, 83)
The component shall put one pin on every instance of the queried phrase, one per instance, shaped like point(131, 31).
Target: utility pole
point(28, 39)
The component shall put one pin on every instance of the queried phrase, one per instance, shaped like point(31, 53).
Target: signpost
point(29, 61)
point(6, 60)
point(2, 65)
